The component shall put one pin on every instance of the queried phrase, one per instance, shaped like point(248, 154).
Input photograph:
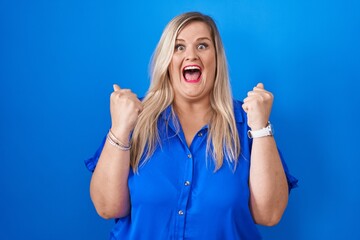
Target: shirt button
point(189, 156)
point(180, 212)
point(187, 183)
point(200, 134)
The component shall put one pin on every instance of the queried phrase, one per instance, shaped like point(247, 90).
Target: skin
point(108, 187)
point(194, 46)
point(267, 181)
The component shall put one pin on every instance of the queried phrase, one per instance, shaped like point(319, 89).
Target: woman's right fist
point(125, 108)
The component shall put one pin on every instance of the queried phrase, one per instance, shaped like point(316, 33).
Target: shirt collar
point(170, 119)
point(166, 114)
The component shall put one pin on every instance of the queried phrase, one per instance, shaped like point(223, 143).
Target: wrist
point(122, 135)
point(258, 125)
point(113, 140)
point(268, 130)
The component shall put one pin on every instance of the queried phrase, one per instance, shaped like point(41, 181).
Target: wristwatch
point(266, 131)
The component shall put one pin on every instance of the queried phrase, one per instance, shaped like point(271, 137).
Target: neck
point(192, 109)
point(192, 117)
point(196, 114)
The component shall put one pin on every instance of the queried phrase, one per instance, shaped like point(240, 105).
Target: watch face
point(271, 129)
point(249, 134)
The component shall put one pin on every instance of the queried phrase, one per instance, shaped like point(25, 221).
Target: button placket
point(185, 194)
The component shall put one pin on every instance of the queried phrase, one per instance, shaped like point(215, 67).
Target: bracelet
point(117, 143)
point(112, 136)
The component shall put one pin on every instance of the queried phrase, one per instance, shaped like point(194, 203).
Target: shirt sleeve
point(91, 162)
point(292, 181)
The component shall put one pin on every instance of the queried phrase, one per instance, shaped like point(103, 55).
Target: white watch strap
point(264, 132)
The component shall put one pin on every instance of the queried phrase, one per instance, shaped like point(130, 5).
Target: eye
point(179, 47)
point(203, 46)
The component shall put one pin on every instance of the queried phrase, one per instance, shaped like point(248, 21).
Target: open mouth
point(192, 73)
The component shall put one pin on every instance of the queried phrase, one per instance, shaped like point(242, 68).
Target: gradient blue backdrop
point(59, 59)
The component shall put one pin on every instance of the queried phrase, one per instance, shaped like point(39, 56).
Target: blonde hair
point(223, 135)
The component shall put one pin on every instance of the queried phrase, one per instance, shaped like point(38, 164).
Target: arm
point(268, 184)
point(108, 187)
point(267, 181)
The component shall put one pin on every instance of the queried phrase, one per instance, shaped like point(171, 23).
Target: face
point(193, 65)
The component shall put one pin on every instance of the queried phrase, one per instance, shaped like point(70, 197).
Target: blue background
point(59, 59)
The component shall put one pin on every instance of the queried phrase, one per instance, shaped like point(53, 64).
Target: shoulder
point(237, 104)
point(239, 113)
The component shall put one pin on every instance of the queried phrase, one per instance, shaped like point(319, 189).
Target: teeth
point(191, 68)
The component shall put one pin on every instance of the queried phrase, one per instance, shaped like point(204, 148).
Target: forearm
point(267, 182)
point(108, 188)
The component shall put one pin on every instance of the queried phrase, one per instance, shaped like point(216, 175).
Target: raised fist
point(257, 105)
point(125, 108)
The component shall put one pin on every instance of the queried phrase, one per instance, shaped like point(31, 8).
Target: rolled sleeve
point(91, 162)
point(292, 181)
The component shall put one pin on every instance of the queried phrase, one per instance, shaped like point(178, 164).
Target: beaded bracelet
point(117, 143)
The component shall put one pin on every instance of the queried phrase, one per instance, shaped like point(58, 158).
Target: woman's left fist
point(257, 105)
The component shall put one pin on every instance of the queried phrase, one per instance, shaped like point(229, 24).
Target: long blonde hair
point(223, 140)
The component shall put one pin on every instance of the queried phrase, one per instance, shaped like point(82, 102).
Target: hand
point(125, 108)
point(258, 105)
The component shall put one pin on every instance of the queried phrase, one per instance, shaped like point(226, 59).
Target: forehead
point(195, 30)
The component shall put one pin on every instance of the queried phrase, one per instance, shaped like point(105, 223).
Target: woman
point(177, 164)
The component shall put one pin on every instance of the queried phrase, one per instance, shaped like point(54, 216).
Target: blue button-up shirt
point(177, 194)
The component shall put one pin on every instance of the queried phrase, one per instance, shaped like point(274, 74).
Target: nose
point(191, 54)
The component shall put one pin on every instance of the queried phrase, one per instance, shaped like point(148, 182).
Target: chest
point(178, 176)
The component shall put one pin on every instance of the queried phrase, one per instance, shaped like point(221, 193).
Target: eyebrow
point(197, 40)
